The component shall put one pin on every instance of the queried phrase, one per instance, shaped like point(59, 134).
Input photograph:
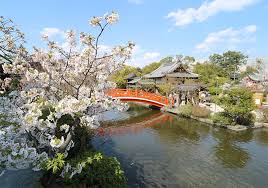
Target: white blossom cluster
point(17, 152)
point(109, 18)
point(59, 81)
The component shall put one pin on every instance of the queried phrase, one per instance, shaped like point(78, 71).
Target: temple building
point(185, 86)
point(258, 85)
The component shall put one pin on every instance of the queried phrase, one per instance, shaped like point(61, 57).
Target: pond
point(162, 150)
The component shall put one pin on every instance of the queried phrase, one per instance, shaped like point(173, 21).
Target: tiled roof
point(130, 76)
point(164, 69)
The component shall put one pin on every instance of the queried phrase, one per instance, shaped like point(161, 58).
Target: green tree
point(216, 59)
point(238, 104)
point(229, 61)
point(119, 76)
point(209, 73)
point(150, 68)
point(189, 62)
point(260, 65)
point(164, 89)
point(189, 59)
point(166, 59)
point(249, 70)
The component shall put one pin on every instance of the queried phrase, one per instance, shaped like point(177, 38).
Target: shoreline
point(209, 122)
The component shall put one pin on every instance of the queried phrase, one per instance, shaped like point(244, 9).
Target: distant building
point(132, 80)
point(130, 77)
point(258, 84)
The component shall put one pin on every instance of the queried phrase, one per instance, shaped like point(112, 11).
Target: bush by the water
point(238, 104)
point(200, 112)
point(225, 119)
point(186, 110)
point(189, 110)
point(222, 118)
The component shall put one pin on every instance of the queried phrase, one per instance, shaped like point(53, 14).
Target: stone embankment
point(211, 123)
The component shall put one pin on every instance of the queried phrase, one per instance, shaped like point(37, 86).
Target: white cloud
point(137, 2)
point(52, 31)
point(251, 28)
point(141, 58)
point(207, 9)
point(227, 38)
point(151, 55)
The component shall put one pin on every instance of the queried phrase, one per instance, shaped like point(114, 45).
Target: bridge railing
point(138, 94)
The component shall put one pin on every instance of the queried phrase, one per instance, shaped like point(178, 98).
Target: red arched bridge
point(135, 95)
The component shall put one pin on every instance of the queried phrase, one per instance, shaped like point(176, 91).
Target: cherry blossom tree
point(62, 89)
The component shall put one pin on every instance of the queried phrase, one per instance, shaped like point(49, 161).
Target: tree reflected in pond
point(178, 130)
point(231, 155)
point(261, 136)
point(232, 136)
point(228, 151)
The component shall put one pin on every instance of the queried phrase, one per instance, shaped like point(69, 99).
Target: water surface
point(162, 150)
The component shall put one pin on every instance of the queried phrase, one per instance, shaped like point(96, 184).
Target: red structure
point(136, 95)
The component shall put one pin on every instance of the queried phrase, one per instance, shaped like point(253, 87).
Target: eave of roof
point(183, 75)
point(135, 80)
point(256, 77)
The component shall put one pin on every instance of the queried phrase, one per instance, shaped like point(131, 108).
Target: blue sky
point(158, 27)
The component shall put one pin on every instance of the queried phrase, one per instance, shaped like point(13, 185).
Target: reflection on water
point(261, 137)
point(162, 150)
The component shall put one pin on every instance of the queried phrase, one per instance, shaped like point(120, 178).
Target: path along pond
point(158, 149)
